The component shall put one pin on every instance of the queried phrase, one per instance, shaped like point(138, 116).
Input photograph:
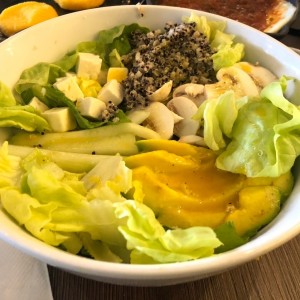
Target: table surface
point(275, 275)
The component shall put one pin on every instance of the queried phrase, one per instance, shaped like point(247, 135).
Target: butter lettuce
point(218, 117)
point(53, 204)
point(265, 136)
point(19, 116)
point(6, 96)
point(23, 117)
point(257, 137)
point(227, 52)
point(228, 55)
point(207, 27)
point(10, 173)
point(41, 74)
point(151, 243)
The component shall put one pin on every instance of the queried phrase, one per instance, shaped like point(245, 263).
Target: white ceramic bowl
point(52, 39)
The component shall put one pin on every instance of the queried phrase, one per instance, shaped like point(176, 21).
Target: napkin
point(22, 277)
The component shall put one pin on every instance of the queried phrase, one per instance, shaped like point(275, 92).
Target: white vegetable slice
point(193, 91)
point(259, 74)
point(185, 108)
point(232, 78)
point(71, 162)
point(193, 140)
point(160, 119)
point(239, 80)
point(162, 93)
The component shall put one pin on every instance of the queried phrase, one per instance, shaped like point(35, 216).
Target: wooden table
point(274, 276)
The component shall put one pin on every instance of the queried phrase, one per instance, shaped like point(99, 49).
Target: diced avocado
point(110, 139)
point(256, 207)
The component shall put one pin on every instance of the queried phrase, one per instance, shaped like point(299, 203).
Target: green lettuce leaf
point(202, 24)
point(98, 250)
point(265, 136)
point(67, 63)
point(115, 59)
point(218, 116)
point(23, 117)
point(40, 74)
point(6, 96)
point(109, 179)
point(150, 243)
point(52, 204)
point(227, 52)
point(228, 55)
point(10, 171)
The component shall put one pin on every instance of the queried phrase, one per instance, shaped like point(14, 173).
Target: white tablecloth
point(22, 277)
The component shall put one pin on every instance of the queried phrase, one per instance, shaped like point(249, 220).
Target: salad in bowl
point(149, 145)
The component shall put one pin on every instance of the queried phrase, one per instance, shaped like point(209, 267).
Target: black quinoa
point(179, 53)
point(109, 114)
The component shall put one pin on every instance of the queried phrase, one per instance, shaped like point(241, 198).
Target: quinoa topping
point(109, 114)
point(179, 53)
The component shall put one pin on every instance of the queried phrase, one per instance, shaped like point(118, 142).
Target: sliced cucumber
point(72, 162)
point(111, 139)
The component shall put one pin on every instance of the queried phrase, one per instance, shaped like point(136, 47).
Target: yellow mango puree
point(182, 185)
